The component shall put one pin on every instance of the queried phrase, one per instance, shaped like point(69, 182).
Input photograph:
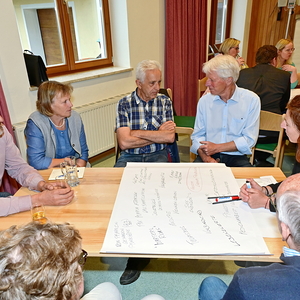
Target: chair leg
point(280, 161)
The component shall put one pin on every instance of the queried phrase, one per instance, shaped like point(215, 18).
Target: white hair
point(144, 66)
point(288, 208)
point(225, 66)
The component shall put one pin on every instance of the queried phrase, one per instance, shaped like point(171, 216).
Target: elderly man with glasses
point(278, 280)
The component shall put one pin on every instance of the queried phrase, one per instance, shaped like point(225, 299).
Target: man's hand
point(207, 158)
point(61, 196)
point(255, 197)
point(209, 148)
point(169, 125)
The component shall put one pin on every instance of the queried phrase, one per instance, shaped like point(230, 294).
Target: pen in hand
point(227, 199)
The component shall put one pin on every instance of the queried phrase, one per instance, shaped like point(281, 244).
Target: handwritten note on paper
point(163, 209)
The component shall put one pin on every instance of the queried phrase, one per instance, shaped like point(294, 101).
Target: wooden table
point(95, 196)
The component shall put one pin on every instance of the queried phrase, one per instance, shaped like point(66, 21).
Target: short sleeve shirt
point(137, 114)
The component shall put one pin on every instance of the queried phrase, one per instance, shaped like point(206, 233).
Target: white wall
point(142, 38)
point(240, 23)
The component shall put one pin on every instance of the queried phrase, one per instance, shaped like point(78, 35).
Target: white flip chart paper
point(163, 209)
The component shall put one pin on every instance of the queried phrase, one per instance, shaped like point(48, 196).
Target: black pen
point(215, 197)
point(225, 201)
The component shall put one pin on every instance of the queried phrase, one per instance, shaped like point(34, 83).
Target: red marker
point(227, 199)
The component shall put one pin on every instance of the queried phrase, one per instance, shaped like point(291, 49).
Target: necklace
point(58, 126)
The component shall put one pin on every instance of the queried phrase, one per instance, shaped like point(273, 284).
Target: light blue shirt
point(288, 252)
point(220, 122)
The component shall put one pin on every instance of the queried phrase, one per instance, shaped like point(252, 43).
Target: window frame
point(70, 65)
point(213, 21)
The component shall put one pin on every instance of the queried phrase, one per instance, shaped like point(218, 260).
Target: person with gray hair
point(144, 122)
point(144, 127)
point(276, 281)
point(45, 261)
point(227, 120)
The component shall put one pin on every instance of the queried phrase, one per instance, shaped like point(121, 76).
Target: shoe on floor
point(129, 276)
point(263, 163)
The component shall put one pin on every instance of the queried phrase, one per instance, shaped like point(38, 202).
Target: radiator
point(99, 124)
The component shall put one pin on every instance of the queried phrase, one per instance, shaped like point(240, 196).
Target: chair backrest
point(201, 86)
point(270, 121)
point(167, 92)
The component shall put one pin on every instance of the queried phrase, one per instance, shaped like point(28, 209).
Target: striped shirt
point(287, 252)
point(137, 114)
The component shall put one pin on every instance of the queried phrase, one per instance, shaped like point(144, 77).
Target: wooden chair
point(201, 86)
point(272, 122)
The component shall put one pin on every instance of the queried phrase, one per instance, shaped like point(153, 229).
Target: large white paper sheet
point(163, 209)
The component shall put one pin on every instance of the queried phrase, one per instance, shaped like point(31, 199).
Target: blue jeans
point(212, 288)
point(230, 160)
point(158, 156)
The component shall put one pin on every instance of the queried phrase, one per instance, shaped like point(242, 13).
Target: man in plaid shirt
point(145, 119)
point(144, 127)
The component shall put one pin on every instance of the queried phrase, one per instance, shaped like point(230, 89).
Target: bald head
point(292, 183)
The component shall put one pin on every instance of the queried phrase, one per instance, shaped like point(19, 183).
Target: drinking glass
point(38, 213)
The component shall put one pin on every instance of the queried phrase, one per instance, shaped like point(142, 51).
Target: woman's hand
point(55, 197)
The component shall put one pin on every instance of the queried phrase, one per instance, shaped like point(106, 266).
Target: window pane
point(39, 30)
point(221, 21)
point(87, 32)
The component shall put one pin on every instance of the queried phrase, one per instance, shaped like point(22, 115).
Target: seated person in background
point(227, 120)
point(55, 131)
point(276, 281)
point(12, 161)
point(144, 127)
point(45, 261)
point(145, 119)
point(231, 47)
point(261, 196)
point(272, 85)
point(285, 49)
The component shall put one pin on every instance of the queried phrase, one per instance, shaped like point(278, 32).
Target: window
point(69, 35)
point(219, 22)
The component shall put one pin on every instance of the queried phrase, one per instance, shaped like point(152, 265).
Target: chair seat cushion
point(184, 121)
point(268, 147)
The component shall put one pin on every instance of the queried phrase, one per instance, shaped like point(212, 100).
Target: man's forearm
point(153, 136)
point(227, 147)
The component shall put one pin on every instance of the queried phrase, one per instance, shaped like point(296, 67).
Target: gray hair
point(144, 66)
point(288, 207)
point(224, 65)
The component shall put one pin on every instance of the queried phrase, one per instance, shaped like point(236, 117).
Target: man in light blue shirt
point(227, 120)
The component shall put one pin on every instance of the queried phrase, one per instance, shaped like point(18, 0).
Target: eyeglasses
point(236, 48)
point(290, 50)
point(82, 258)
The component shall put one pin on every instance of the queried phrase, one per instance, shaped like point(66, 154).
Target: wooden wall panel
point(265, 28)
